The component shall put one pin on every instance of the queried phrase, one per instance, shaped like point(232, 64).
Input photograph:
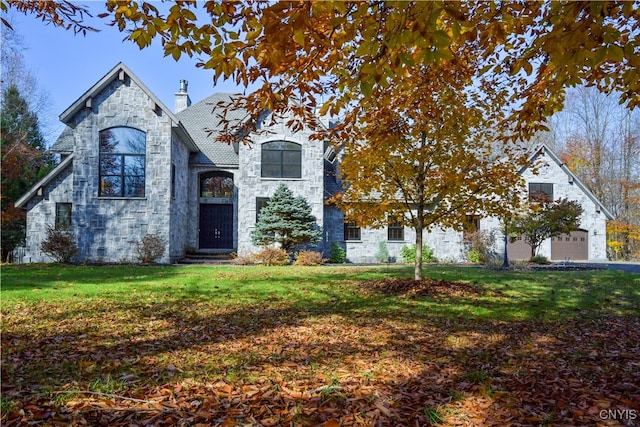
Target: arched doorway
point(216, 210)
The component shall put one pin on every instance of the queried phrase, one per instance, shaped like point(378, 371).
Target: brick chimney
point(182, 97)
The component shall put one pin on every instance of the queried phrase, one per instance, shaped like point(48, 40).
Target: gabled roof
point(65, 142)
point(201, 117)
point(118, 73)
point(22, 201)
point(576, 181)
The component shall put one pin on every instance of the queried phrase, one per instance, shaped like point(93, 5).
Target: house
point(130, 166)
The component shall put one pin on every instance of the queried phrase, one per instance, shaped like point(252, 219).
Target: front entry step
point(219, 258)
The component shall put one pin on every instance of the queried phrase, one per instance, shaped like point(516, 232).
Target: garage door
point(519, 250)
point(574, 246)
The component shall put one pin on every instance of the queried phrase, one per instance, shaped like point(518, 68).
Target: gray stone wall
point(107, 229)
point(180, 221)
point(448, 244)
point(251, 185)
point(41, 212)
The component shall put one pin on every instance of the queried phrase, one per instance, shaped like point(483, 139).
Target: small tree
point(546, 220)
point(286, 220)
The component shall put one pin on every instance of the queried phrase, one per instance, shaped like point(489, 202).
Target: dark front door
point(216, 226)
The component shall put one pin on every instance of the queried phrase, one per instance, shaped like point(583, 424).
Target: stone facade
point(251, 185)
point(179, 151)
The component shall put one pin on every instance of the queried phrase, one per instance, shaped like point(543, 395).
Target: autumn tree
point(286, 220)
point(599, 140)
point(340, 51)
point(24, 162)
point(546, 219)
point(425, 153)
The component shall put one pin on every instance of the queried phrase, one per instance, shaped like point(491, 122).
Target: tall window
point(540, 192)
point(122, 162)
point(395, 231)
point(281, 159)
point(216, 184)
point(351, 231)
point(173, 181)
point(63, 216)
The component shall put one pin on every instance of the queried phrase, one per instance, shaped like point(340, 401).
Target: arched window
point(281, 159)
point(122, 162)
point(216, 184)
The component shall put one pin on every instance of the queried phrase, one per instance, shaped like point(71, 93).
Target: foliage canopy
point(346, 49)
point(24, 162)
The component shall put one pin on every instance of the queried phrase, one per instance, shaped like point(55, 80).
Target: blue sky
point(66, 65)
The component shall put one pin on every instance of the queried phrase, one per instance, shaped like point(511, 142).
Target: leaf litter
point(195, 364)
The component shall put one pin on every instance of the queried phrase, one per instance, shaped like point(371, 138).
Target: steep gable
point(543, 149)
point(120, 72)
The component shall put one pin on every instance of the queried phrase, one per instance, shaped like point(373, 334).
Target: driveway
point(611, 265)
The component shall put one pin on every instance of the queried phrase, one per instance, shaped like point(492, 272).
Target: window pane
point(63, 216)
point(291, 171)
point(351, 231)
point(122, 140)
point(281, 145)
point(133, 186)
point(110, 164)
point(261, 202)
point(134, 165)
point(216, 186)
point(122, 162)
point(291, 164)
point(271, 170)
point(111, 186)
point(395, 231)
point(541, 191)
point(281, 159)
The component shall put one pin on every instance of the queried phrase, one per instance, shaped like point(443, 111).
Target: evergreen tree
point(24, 162)
point(286, 220)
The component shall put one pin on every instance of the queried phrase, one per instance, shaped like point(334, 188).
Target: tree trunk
point(417, 270)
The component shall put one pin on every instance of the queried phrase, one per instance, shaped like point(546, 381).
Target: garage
point(519, 250)
point(573, 246)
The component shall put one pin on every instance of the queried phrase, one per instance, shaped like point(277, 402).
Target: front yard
point(131, 345)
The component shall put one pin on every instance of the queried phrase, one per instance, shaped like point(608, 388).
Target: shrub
point(383, 252)
point(539, 259)
point(480, 246)
point(59, 245)
point(309, 258)
point(337, 254)
point(475, 256)
point(272, 256)
point(408, 254)
point(150, 248)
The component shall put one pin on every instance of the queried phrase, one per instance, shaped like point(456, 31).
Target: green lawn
point(310, 345)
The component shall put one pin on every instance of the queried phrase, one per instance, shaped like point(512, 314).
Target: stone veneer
point(107, 229)
point(42, 211)
point(251, 185)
